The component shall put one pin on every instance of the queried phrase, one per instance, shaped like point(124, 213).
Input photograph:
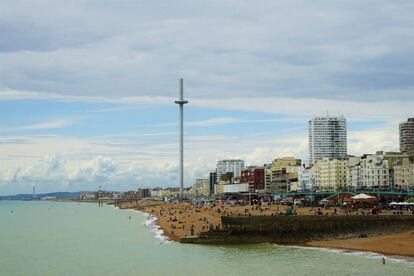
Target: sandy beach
point(401, 244)
point(179, 219)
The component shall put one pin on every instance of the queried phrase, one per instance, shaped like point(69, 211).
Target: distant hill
point(59, 195)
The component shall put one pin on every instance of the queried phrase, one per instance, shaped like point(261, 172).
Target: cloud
point(62, 123)
point(297, 59)
point(88, 163)
point(327, 50)
point(49, 125)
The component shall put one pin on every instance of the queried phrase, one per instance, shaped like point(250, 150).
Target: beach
point(401, 244)
point(179, 219)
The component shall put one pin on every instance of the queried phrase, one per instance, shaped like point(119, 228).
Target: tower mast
point(181, 102)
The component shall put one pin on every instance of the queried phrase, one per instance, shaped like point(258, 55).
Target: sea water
point(51, 238)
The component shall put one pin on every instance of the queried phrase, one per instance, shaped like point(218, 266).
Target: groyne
point(300, 229)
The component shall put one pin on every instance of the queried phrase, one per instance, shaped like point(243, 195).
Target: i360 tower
point(181, 102)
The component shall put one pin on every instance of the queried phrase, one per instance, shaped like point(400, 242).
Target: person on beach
point(289, 211)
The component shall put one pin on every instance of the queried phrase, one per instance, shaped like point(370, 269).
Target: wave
point(366, 254)
point(151, 224)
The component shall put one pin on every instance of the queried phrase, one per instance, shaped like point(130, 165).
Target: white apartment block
point(404, 174)
point(305, 179)
point(329, 174)
point(354, 175)
point(234, 166)
point(375, 171)
point(327, 138)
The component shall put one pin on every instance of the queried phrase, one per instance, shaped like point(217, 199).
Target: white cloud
point(297, 59)
point(41, 125)
point(275, 49)
point(83, 164)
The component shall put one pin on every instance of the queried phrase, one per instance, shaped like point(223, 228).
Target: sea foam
point(151, 224)
point(366, 254)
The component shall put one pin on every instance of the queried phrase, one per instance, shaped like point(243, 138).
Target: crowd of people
point(179, 219)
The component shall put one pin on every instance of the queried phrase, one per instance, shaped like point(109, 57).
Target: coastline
point(398, 244)
point(152, 225)
point(174, 221)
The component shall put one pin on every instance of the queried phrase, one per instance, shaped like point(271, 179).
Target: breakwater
point(300, 229)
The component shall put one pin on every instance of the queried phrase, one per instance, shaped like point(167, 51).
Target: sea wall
point(300, 229)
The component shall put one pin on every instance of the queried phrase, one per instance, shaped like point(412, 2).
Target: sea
point(68, 238)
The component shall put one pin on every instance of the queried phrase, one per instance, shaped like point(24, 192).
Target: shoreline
point(396, 244)
point(174, 220)
point(361, 253)
point(408, 258)
point(154, 227)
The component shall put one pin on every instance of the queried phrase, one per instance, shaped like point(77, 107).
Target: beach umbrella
point(363, 197)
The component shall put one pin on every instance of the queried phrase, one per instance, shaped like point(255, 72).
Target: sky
point(87, 88)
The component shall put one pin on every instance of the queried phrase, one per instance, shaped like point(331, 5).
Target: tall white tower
point(181, 102)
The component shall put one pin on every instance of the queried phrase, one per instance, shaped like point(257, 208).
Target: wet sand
point(401, 244)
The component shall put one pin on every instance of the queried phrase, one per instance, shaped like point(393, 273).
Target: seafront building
point(329, 168)
point(236, 188)
point(225, 179)
point(407, 136)
point(281, 174)
point(201, 187)
point(254, 176)
point(212, 182)
point(330, 174)
point(234, 166)
point(354, 173)
point(404, 174)
point(327, 138)
point(305, 178)
point(377, 170)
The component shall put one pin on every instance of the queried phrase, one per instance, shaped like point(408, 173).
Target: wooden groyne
point(300, 229)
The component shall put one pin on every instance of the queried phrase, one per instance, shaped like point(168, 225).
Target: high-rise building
point(327, 138)
point(407, 136)
point(233, 166)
